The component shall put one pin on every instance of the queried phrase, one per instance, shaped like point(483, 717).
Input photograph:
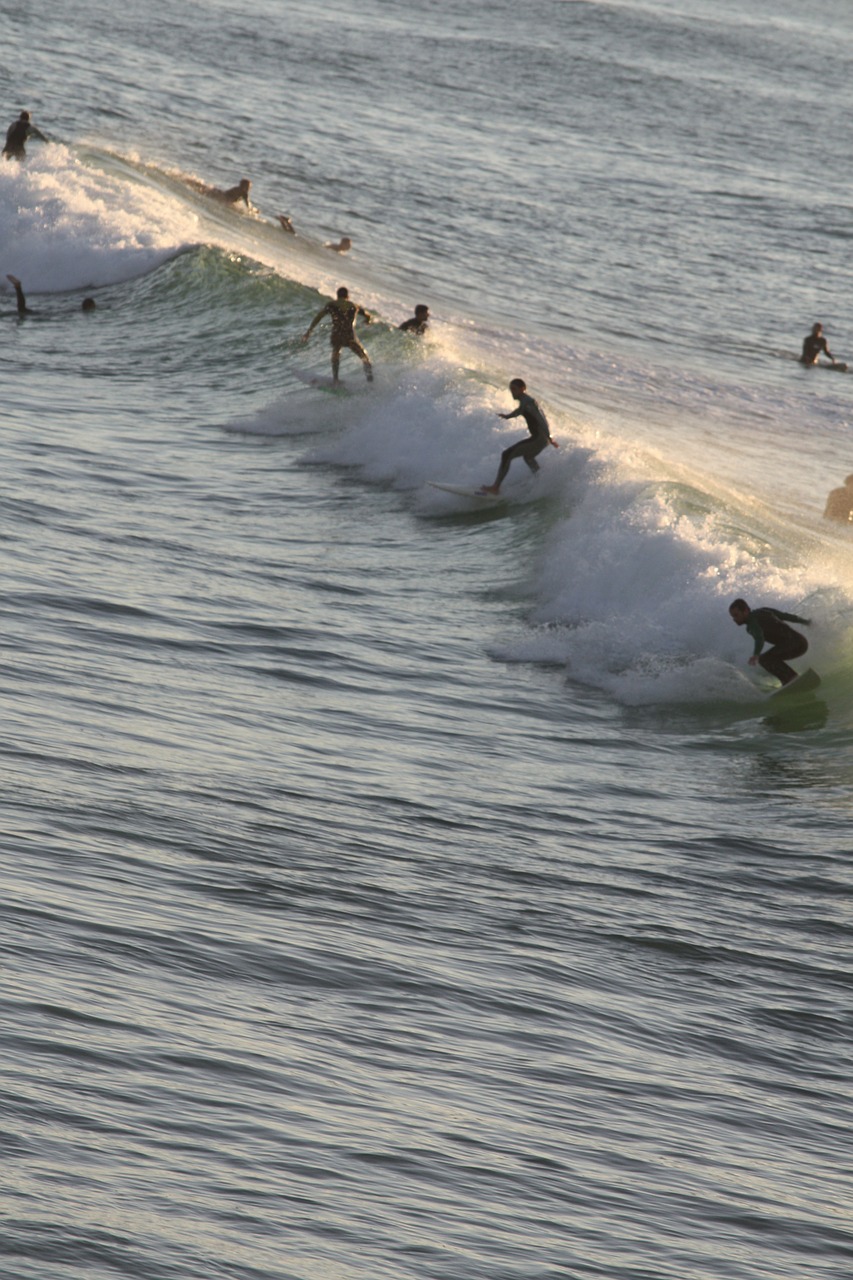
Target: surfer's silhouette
point(19, 132)
point(529, 449)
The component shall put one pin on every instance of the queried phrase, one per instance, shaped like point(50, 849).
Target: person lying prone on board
point(88, 304)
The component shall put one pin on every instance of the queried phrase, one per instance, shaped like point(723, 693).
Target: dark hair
point(519, 382)
point(343, 292)
point(738, 604)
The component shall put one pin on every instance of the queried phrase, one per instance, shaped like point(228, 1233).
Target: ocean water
point(396, 885)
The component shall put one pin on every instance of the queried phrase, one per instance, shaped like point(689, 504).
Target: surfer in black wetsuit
point(529, 449)
point(419, 323)
point(813, 344)
point(343, 313)
point(769, 626)
point(19, 132)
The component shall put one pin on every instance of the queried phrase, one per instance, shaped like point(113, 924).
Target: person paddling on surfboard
point(814, 344)
point(88, 304)
point(539, 439)
point(343, 314)
point(769, 626)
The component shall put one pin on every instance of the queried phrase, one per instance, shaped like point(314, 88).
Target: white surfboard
point(462, 492)
point(803, 684)
point(324, 383)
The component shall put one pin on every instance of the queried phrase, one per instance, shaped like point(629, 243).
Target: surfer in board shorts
point(769, 626)
point(343, 313)
point(529, 449)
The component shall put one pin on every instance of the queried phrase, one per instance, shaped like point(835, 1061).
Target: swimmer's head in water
point(422, 311)
point(88, 304)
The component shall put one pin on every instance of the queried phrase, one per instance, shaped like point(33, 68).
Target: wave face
point(397, 882)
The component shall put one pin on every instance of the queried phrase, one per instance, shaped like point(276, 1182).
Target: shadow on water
point(811, 713)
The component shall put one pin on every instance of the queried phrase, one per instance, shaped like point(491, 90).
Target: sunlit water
point(395, 885)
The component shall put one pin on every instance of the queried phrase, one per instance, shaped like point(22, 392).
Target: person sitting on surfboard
point(769, 626)
point(343, 314)
point(813, 344)
point(539, 439)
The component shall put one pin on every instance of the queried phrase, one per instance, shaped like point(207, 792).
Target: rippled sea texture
point(406, 890)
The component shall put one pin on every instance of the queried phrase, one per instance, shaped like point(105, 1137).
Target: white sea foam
point(633, 572)
point(65, 225)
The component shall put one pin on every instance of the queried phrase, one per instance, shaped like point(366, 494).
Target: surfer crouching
point(769, 626)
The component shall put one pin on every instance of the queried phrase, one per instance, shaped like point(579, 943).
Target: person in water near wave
point(88, 304)
point(769, 626)
point(529, 449)
point(286, 223)
point(233, 195)
point(343, 246)
point(839, 504)
point(19, 132)
point(814, 344)
point(419, 323)
point(343, 313)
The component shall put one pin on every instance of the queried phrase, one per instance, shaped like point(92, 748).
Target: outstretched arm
point(312, 326)
point(19, 294)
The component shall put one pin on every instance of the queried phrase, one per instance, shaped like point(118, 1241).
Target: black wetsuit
point(769, 626)
point(16, 136)
point(415, 326)
point(813, 345)
point(540, 437)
